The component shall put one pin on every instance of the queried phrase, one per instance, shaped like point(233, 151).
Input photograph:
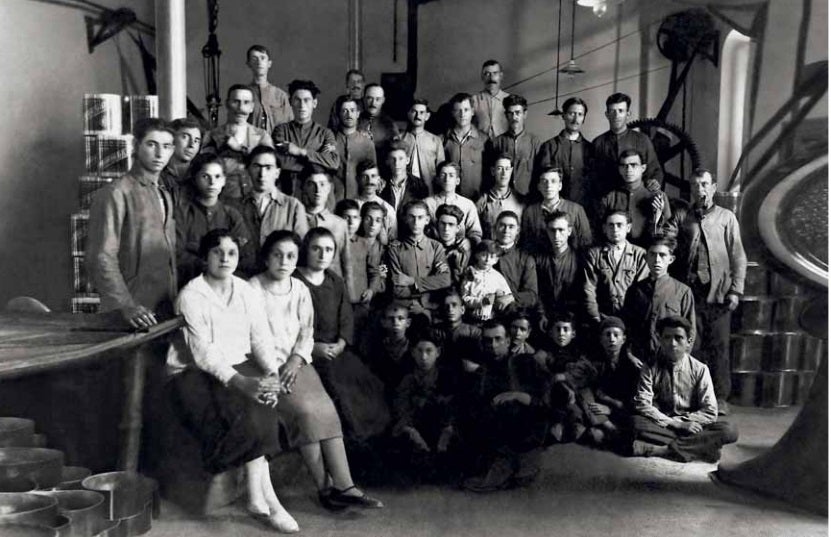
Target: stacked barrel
point(41, 496)
point(773, 360)
point(108, 155)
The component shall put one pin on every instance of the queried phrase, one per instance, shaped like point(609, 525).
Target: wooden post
point(135, 371)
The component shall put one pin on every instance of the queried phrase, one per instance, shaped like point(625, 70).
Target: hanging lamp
point(557, 111)
point(571, 67)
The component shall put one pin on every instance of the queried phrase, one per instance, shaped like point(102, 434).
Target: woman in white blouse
point(222, 397)
point(307, 413)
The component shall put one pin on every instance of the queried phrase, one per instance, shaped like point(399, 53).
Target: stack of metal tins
point(773, 360)
point(108, 146)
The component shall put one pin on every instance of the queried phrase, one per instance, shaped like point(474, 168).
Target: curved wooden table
point(33, 343)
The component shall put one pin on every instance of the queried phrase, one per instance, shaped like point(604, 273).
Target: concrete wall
point(46, 71)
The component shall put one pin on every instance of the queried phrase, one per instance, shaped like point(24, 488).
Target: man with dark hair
point(271, 104)
point(487, 104)
point(402, 187)
point(547, 200)
point(572, 153)
point(235, 139)
point(713, 263)
point(464, 144)
point(425, 150)
point(131, 252)
point(187, 142)
point(303, 141)
point(612, 267)
point(501, 197)
point(655, 297)
point(505, 416)
point(353, 146)
point(559, 268)
point(516, 142)
point(648, 209)
point(354, 92)
point(517, 266)
point(676, 404)
point(379, 126)
point(609, 145)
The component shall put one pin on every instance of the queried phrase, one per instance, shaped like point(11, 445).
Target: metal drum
point(41, 464)
point(126, 493)
point(778, 388)
point(787, 313)
point(785, 351)
point(84, 508)
point(747, 350)
point(754, 313)
point(17, 484)
point(782, 286)
point(804, 381)
point(71, 477)
point(16, 432)
point(745, 388)
point(756, 280)
point(27, 508)
point(813, 351)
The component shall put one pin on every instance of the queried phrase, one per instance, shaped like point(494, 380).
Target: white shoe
point(283, 522)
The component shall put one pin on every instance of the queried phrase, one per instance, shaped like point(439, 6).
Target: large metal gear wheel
point(670, 141)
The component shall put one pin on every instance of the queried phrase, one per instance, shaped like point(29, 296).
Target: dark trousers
point(712, 346)
point(705, 446)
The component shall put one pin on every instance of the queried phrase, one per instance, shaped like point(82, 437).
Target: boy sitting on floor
point(385, 350)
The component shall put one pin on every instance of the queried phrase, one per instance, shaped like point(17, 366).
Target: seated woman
point(356, 392)
point(224, 398)
point(306, 411)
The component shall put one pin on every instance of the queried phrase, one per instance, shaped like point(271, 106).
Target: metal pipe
point(171, 57)
point(354, 44)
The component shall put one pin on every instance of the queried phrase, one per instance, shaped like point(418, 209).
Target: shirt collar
point(562, 136)
point(411, 242)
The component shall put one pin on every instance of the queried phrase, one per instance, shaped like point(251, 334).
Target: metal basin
point(126, 493)
point(62, 526)
point(84, 508)
point(140, 523)
point(27, 508)
point(111, 528)
point(17, 484)
point(16, 432)
point(71, 477)
point(41, 464)
point(28, 531)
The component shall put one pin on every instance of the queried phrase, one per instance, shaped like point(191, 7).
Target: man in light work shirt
point(487, 104)
point(424, 149)
point(464, 144)
point(353, 146)
point(303, 141)
point(519, 144)
point(271, 104)
point(354, 91)
point(619, 138)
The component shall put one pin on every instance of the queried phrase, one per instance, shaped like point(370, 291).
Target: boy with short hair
point(417, 264)
point(657, 296)
point(369, 182)
point(386, 350)
point(186, 145)
point(402, 186)
point(457, 248)
point(446, 183)
point(518, 266)
point(559, 268)
point(611, 268)
point(271, 104)
point(423, 407)
point(520, 329)
point(368, 271)
point(483, 288)
point(501, 197)
point(459, 339)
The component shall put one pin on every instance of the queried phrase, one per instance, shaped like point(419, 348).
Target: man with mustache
point(516, 142)
point(488, 110)
point(379, 126)
point(712, 262)
point(354, 91)
point(572, 153)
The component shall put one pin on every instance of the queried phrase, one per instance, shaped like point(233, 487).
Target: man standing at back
point(379, 126)
point(131, 243)
point(354, 92)
point(516, 142)
point(619, 138)
point(464, 144)
point(488, 111)
point(271, 104)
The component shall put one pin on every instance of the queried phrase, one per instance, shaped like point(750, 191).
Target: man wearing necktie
point(713, 264)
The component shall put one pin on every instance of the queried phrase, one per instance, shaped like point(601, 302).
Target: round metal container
point(17, 484)
point(745, 388)
point(754, 313)
point(84, 508)
point(126, 493)
point(756, 280)
point(63, 526)
point(41, 464)
point(140, 523)
point(27, 508)
point(16, 432)
point(785, 351)
point(787, 312)
point(804, 381)
point(28, 531)
point(747, 350)
point(778, 388)
point(813, 350)
point(111, 528)
point(782, 286)
point(71, 477)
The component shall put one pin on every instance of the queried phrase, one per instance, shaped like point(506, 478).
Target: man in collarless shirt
point(187, 143)
point(464, 144)
point(516, 142)
point(487, 105)
point(425, 150)
point(502, 197)
point(353, 146)
point(354, 92)
point(380, 127)
point(271, 104)
point(518, 266)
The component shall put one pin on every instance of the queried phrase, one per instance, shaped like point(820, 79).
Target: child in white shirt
point(482, 286)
